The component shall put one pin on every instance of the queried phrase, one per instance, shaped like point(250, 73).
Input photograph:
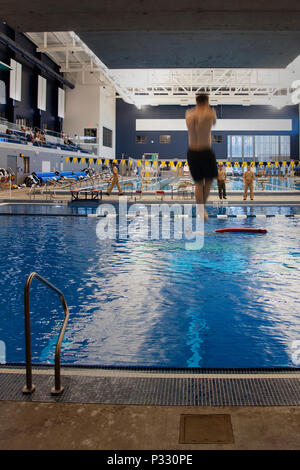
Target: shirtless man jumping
point(200, 157)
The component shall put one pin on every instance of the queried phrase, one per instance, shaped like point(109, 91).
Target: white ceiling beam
point(168, 86)
point(76, 69)
point(219, 95)
point(57, 48)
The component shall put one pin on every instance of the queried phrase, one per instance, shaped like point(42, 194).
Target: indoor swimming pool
point(232, 304)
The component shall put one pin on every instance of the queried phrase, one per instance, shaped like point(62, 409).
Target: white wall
point(221, 125)
point(91, 106)
point(82, 109)
point(108, 120)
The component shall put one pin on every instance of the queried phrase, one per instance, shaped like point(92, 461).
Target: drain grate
point(206, 429)
point(252, 391)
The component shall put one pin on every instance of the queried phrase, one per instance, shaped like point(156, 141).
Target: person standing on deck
point(115, 180)
point(248, 182)
point(221, 182)
point(200, 157)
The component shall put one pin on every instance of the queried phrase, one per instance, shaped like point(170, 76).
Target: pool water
point(233, 304)
point(84, 209)
point(236, 183)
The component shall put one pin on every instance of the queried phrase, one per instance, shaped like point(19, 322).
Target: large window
point(260, 150)
point(266, 147)
point(285, 145)
point(258, 147)
point(248, 147)
point(236, 146)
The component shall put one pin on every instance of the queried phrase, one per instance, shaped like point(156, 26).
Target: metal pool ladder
point(29, 387)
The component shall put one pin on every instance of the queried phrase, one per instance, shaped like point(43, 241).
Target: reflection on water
point(141, 302)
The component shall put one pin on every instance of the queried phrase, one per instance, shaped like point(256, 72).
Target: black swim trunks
point(202, 164)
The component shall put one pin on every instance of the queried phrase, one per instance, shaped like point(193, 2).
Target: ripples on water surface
point(235, 303)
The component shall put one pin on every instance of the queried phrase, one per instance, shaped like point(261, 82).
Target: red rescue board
point(241, 230)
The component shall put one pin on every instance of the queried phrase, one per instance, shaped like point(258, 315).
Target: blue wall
point(27, 108)
point(126, 133)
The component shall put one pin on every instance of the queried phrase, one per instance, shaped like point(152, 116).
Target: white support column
point(45, 40)
point(107, 118)
point(82, 110)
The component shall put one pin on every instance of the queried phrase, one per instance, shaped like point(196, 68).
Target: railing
point(29, 387)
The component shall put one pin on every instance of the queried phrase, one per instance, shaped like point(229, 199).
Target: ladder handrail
point(29, 387)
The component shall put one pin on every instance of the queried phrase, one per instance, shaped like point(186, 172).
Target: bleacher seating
point(19, 137)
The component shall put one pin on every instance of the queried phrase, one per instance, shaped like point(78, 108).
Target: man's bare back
point(199, 121)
